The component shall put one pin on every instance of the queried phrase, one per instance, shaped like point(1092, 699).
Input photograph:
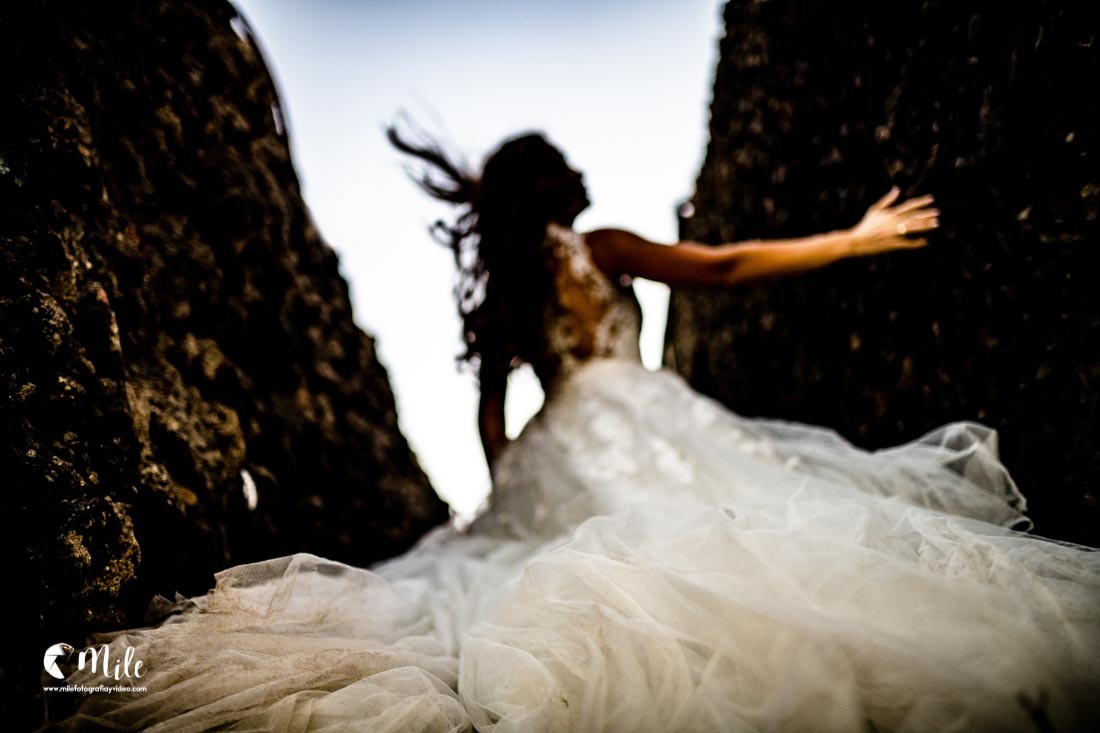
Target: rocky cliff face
point(818, 108)
point(182, 386)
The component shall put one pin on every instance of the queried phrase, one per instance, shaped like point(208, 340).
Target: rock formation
point(818, 108)
point(182, 386)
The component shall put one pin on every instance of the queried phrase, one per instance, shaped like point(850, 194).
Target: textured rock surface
point(169, 318)
point(818, 108)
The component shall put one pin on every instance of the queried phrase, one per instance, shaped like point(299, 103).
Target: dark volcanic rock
point(171, 327)
point(820, 107)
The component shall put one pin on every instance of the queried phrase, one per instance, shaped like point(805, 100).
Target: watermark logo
point(55, 652)
point(97, 660)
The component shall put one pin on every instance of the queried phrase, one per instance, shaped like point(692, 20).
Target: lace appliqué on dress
point(588, 316)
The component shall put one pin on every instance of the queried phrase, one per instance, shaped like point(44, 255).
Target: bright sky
point(622, 86)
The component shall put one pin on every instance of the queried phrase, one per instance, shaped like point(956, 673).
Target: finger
point(916, 222)
point(913, 227)
point(918, 203)
point(890, 197)
point(913, 204)
point(919, 223)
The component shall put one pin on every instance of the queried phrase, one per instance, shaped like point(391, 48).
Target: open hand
point(885, 227)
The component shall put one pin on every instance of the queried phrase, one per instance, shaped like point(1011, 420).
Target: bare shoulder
point(621, 252)
point(611, 249)
point(610, 237)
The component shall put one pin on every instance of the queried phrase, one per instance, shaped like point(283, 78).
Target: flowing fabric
point(652, 561)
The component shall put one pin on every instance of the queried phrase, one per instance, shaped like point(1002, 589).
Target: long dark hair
point(503, 279)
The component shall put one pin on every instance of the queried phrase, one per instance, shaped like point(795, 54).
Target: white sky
point(623, 87)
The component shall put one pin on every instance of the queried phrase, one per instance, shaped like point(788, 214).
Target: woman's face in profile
point(565, 192)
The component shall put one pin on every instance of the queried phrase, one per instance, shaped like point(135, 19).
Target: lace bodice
point(589, 316)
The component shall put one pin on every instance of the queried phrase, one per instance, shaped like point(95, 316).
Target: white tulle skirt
point(653, 562)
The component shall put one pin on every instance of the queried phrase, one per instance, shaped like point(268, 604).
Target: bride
point(650, 560)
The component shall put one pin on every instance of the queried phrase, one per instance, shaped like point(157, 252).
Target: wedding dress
point(653, 562)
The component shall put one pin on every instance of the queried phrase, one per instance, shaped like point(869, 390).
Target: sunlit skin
point(887, 225)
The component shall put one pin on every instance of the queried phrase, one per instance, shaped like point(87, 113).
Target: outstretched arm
point(884, 227)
